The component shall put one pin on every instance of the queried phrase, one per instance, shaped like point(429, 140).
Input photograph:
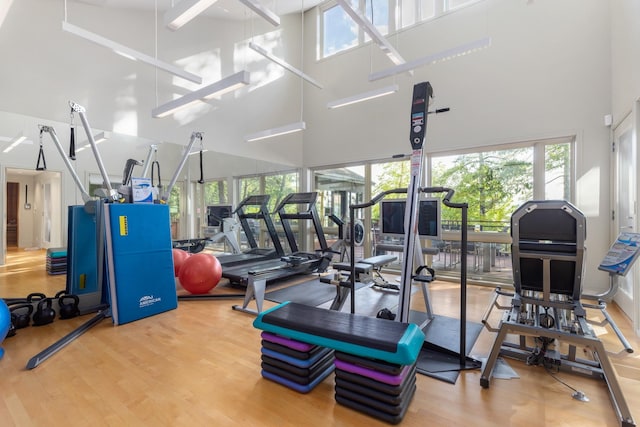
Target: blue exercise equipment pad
point(370, 337)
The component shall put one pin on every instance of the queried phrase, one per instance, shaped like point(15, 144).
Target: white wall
point(546, 74)
point(553, 69)
point(51, 67)
point(58, 230)
point(625, 57)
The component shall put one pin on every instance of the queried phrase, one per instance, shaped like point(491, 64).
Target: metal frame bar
point(603, 366)
point(185, 156)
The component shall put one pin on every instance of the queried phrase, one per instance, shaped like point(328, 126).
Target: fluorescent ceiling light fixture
point(15, 142)
point(282, 130)
point(430, 59)
point(184, 12)
point(258, 8)
point(127, 52)
point(228, 84)
point(372, 94)
point(284, 64)
point(372, 31)
point(98, 138)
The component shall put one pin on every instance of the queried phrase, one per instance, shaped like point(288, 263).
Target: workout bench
point(374, 358)
point(367, 268)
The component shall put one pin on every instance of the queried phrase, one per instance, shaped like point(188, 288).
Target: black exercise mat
point(312, 293)
point(370, 300)
point(442, 366)
point(439, 357)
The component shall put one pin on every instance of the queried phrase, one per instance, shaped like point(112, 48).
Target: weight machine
point(546, 309)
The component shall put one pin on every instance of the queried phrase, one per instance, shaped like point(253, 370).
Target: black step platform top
point(361, 330)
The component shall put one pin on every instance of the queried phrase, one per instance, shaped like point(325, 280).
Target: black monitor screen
point(216, 213)
point(392, 218)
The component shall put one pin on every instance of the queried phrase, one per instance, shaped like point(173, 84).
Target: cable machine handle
point(72, 143)
point(201, 180)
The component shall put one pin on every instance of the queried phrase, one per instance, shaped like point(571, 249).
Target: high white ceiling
point(229, 9)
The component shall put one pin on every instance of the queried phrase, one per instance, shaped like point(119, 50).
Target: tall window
point(210, 193)
point(277, 186)
point(174, 211)
point(493, 182)
point(411, 12)
point(338, 188)
point(339, 32)
point(377, 11)
point(558, 171)
point(384, 177)
point(215, 192)
point(249, 186)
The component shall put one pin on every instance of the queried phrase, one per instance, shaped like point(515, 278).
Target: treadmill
point(297, 262)
point(245, 211)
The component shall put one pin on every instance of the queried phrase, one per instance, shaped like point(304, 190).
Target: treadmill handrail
point(311, 213)
point(260, 200)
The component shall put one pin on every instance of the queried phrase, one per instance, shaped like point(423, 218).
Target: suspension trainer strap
point(201, 180)
point(41, 157)
point(153, 167)
point(72, 139)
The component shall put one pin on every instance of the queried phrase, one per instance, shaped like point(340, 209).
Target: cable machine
point(88, 222)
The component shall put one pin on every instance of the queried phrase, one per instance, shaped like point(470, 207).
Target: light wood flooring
point(199, 365)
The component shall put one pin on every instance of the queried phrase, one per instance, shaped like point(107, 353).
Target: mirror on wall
point(36, 201)
point(33, 210)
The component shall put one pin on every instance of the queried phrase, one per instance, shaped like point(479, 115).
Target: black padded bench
point(367, 264)
point(361, 267)
point(365, 267)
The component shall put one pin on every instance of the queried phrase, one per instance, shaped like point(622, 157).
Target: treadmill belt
point(244, 258)
point(268, 270)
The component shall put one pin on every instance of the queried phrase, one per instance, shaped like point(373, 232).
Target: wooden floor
point(199, 365)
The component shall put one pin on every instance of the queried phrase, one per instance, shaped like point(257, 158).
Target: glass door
point(625, 207)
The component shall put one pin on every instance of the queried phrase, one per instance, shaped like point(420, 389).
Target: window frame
point(394, 26)
point(497, 239)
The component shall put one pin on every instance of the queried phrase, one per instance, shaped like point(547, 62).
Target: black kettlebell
point(44, 313)
point(35, 297)
point(22, 319)
point(68, 304)
point(12, 330)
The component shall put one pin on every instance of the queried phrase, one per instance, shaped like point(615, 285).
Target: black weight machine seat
point(548, 267)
